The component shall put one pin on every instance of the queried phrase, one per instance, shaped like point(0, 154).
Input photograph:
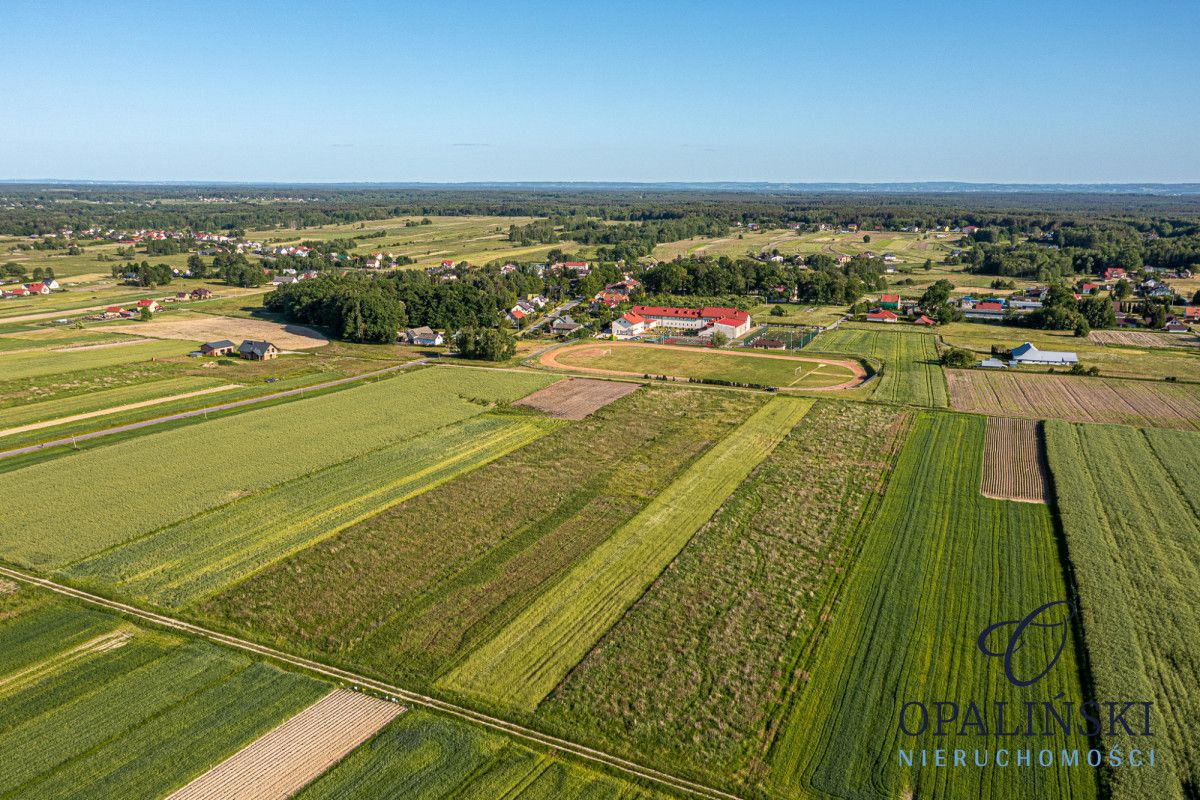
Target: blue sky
point(564, 90)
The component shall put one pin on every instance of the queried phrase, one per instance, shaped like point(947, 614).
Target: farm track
point(33, 448)
point(286, 759)
point(104, 412)
point(494, 723)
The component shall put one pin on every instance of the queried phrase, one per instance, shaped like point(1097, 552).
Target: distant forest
point(31, 209)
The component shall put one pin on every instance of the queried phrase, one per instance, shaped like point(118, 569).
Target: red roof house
point(924, 320)
point(881, 316)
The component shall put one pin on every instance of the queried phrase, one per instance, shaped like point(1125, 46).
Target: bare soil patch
point(577, 398)
point(205, 328)
point(293, 755)
point(1014, 461)
point(1145, 338)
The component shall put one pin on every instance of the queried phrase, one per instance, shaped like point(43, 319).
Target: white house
point(1028, 354)
point(424, 336)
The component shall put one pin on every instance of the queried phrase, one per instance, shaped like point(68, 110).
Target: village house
point(201, 294)
point(516, 315)
point(423, 336)
point(1114, 274)
point(882, 315)
point(152, 305)
point(223, 347)
point(1191, 313)
point(38, 288)
point(891, 301)
point(257, 351)
point(564, 326)
point(923, 320)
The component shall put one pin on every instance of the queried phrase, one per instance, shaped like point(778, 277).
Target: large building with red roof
point(700, 321)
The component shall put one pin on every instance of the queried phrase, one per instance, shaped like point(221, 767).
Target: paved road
point(404, 695)
point(561, 309)
point(132, 426)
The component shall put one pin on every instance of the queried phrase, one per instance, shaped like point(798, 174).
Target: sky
point(606, 90)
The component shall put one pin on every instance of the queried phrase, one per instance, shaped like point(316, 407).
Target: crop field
point(300, 750)
point(911, 371)
point(940, 563)
point(911, 248)
point(1157, 404)
point(182, 472)
point(202, 554)
point(37, 363)
point(799, 314)
point(372, 597)
point(51, 412)
point(578, 397)
point(1014, 464)
point(741, 366)
point(423, 756)
point(1144, 338)
point(476, 239)
point(528, 658)
point(1131, 515)
point(691, 674)
point(58, 337)
point(133, 719)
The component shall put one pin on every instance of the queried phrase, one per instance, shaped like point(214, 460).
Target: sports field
point(738, 366)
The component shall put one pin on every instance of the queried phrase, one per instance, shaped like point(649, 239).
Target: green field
point(940, 564)
point(373, 598)
point(527, 659)
point(1133, 534)
point(798, 314)
point(422, 756)
point(710, 364)
point(38, 363)
point(127, 713)
point(737, 606)
point(202, 554)
point(911, 372)
point(110, 495)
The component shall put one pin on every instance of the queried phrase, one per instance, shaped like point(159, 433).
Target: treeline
point(819, 280)
point(39, 209)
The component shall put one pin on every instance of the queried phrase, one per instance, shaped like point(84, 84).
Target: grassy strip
point(37, 363)
point(939, 565)
point(122, 491)
point(206, 553)
point(705, 648)
point(522, 664)
point(1133, 535)
point(423, 756)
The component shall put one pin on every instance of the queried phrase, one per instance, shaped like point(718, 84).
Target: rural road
point(549, 316)
point(494, 723)
point(200, 411)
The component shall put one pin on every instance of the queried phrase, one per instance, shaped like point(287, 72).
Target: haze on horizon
point(1018, 92)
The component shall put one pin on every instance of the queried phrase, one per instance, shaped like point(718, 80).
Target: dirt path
point(50, 423)
point(550, 359)
point(494, 723)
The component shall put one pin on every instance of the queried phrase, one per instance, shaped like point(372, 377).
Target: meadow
point(202, 554)
point(184, 471)
point(911, 372)
point(16, 364)
point(691, 674)
point(740, 366)
point(475, 239)
point(133, 719)
point(911, 248)
point(373, 598)
point(1132, 535)
point(424, 756)
point(939, 564)
point(527, 659)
